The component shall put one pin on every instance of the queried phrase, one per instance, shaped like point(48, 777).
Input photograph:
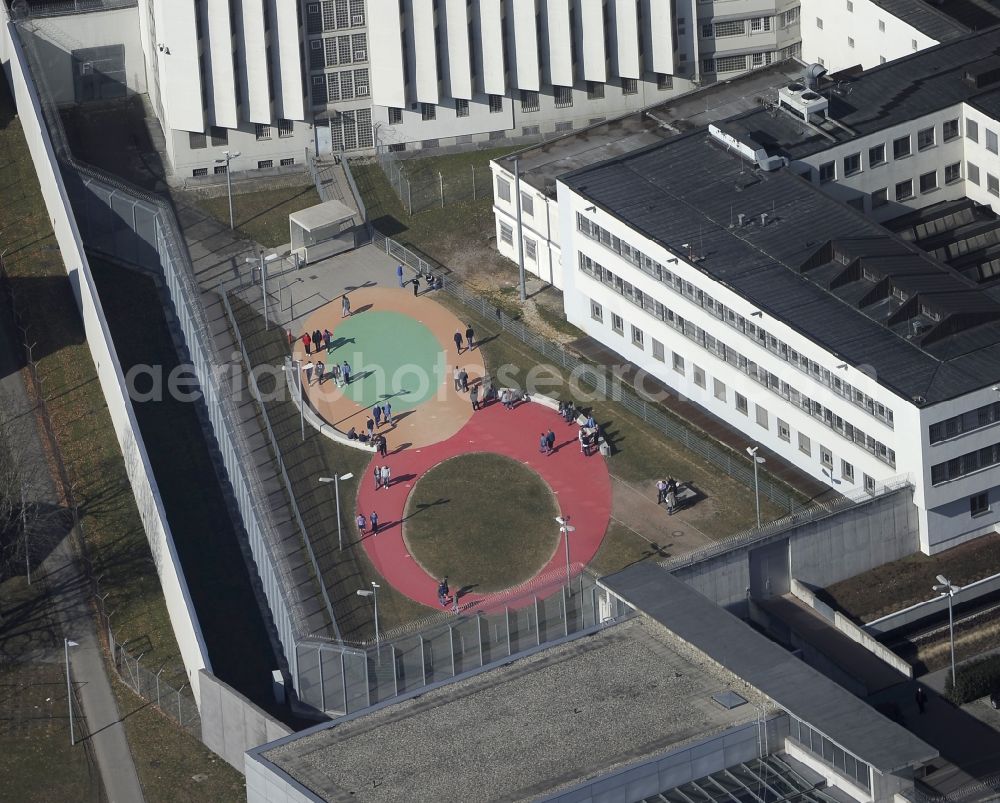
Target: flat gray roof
point(937, 23)
point(787, 681)
point(581, 709)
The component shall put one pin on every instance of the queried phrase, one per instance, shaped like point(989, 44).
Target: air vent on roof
point(803, 103)
point(983, 73)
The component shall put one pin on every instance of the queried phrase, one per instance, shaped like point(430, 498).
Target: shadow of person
point(465, 590)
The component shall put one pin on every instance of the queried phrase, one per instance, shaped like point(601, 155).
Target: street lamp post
point(296, 366)
point(335, 479)
point(263, 282)
point(945, 587)
point(229, 181)
point(364, 592)
point(565, 528)
point(69, 688)
point(752, 451)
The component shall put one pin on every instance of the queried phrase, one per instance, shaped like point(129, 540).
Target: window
point(199, 171)
point(617, 324)
point(678, 363)
point(699, 375)
point(503, 189)
point(992, 184)
point(783, 431)
point(506, 234)
point(869, 483)
point(846, 471)
point(805, 446)
point(881, 26)
point(928, 181)
point(595, 90)
point(637, 337)
point(220, 170)
point(949, 130)
point(530, 249)
point(972, 173)
point(597, 313)
point(827, 172)
point(741, 402)
point(972, 130)
point(263, 131)
point(719, 389)
point(819, 23)
point(664, 81)
point(630, 86)
point(979, 504)
point(397, 147)
point(196, 140)
point(461, 107)
point(925, 139)
point(880, 197)
point(825, 456)
point(287, 162)
point(428, 111)
point(901, 147)
point(761, 416)
point(563, 96)
point(529, 101)
point(850, 41)
point(707, 31)
point(496, 104)
point(530, 130)
point(658, 353)
point(395, 115)
point(904, 190)
point(991, 141)
point(220, 136)
point(852, 164)
point(264, 164)
point(876, 156)
point(730, 63)
point(527, 204)
point(952, 173)
point(284, 128)
point(730, 28)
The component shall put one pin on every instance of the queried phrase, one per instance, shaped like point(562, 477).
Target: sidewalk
point(68, 595)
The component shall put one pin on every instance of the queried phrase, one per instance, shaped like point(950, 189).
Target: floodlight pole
point(752, 451)
point(69, 688)
point(946, 587)
point(565, 528)
point(335, 479)
point(229, 183)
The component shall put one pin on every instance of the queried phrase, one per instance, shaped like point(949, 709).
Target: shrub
point(973, 680)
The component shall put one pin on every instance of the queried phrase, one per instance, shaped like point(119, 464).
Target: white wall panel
point(424, 51)
point(386, 54)
point(625, 36)
point(524, 44)
point(218, 54)
point(595, 62)
point(257, 100)
point(491, 47)
point(288, 95)
point(660, 22)
point(180, 85)
point(456, 56)
point(560, 42)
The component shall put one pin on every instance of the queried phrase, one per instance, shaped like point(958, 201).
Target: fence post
point(409, 198)
point(473, 182)
point(180, 713)
point(441, 187)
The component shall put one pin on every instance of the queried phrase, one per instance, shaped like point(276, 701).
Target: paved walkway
point(68, 595)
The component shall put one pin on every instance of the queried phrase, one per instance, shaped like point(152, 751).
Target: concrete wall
point(820, 553)
point(183, 618)
point(231, 724)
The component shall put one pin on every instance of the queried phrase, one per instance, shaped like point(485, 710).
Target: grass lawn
point(262, 216)
point(897, 585)
point(458, 526)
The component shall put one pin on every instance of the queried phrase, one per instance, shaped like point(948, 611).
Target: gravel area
point(528, 728)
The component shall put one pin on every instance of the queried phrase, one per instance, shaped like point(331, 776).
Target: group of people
point(376, 439)
point(445, 595)
point(470, 339)
point(547, 442)
point(363, 523)
point(339, 372)
point(319, 339)
point(567, 412)
point(433, 282)
point(383, 476)
point(666, 491)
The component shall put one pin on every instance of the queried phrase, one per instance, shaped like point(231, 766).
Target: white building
point(730, 270)
point(268, 79)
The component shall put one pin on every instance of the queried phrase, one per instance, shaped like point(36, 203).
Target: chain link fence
point(420, 187)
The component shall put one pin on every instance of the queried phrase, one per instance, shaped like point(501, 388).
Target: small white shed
point(321, 231)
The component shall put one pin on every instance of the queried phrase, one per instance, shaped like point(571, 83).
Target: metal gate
point(769, 574)
point(324, 142)
point(99, 73)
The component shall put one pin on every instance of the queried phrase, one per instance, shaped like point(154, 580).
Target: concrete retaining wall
point(900, 620)
point(183, 618)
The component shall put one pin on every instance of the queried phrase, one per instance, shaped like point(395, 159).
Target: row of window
point(733, 357)
point(350, 130)
point(218, 136)
point(738, 63)
point(965, 422)
point(831, 753)
point(220, 170)
point(264, 132)
point(756, 333)
point(966, 464)
point(337, 50)
point(881, 24)
point(333, 15)
point(343, 85)
point(721, 30)
point(530, 246)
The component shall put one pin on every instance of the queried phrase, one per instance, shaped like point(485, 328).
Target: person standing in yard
point(345, 371)
point(319, 371)
point(306, 340)
point(377, 475)
point(362, 523)
point(377, 415)
point(458, 341)
point(399, 274)
point(443, 593)
point(374, 520)
point(387, 414)
point(474, 397)
point(455, 375)
point(463, 380)
point(345, 306)
point(543, 444)
point(470, 336)
point(661, 491)
point(383, 446)
point(550, 439)
point(671, 496)
point(921, 698)
point(335, 373)
point(416, 286)
point(317, 339)
point(307, 369)
point(327, 337)
point(370, 426)
point(386, 476)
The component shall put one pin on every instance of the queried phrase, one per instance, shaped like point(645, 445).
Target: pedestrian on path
point(458, 341)
point(443, 593)
point(474, 397)
point(370, 426)
point(386, 476)
point(306, 340)
point(374, 519)
point(319, 371)
point(335, 374)
point(399, 274)
point(661, 491)
point(308, 369)
point(671, 496)
point(456, 375)
point(463, 380)
point(583, 441)
point(317, 339)
point(416, 286)
point(345, 370)
point(362, 523)
point(470, 336)
point(345, 306)
point(377, 415)
point(387, 413)
point(377, 474)
point(543, 444)
point(921, 698)
point(383, 447)
point(550, 439)
point(327, 337)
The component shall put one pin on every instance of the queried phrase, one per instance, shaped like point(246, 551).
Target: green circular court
point(392, 356)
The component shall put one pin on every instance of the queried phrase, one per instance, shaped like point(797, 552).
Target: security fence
point(31, 9)
point(420, 188)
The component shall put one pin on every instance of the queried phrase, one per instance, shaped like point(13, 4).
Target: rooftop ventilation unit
point(803, 103)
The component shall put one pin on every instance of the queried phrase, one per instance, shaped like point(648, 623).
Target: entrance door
point(324, 143)
point(769, 570)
